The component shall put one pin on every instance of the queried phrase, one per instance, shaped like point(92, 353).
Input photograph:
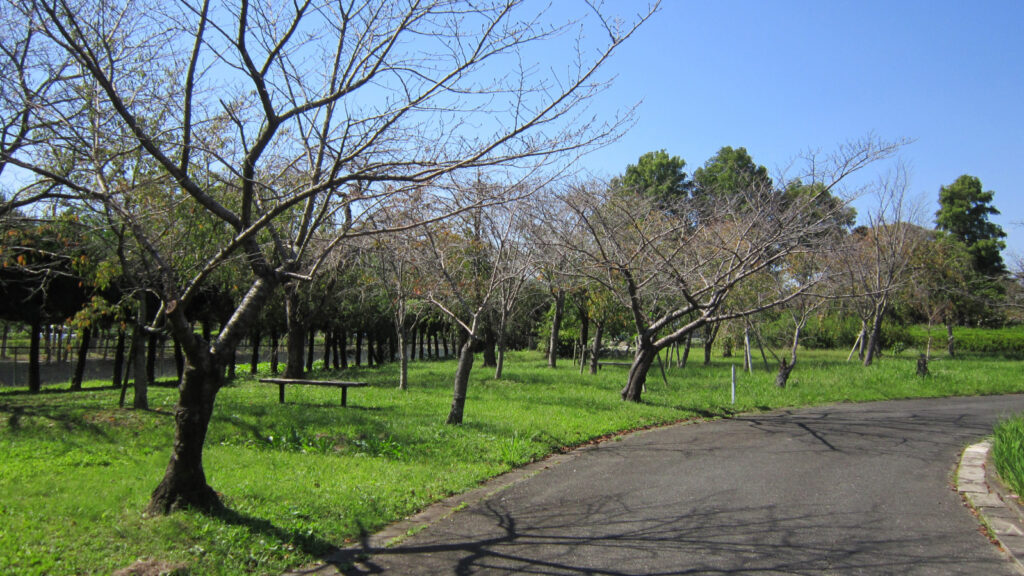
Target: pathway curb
point(996, 505)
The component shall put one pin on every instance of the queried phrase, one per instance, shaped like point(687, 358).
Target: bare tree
point(475, 261)
point(675, 266)
point(271, 122)
point(879, 255)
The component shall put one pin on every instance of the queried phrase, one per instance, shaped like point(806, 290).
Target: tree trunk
point(296, 334)
point(642, 360)
point(874, 340)
point(83, 353)
point(140, 399)
point(403, 355)
point(359, 348)
point(254, 357)
point(328, 348)
point(118, 376)
point(556, 327)
point(34, 381)
point(499, 365)
point(686, 350)
point(3, 341)
point(48, 335)
point(461, 383)
point(311, 344)
point(437, 346)
point(275, 346)
point(179, 361)
point(595, 352)
point(710, 334)
point(783, 375)
point(151, 345)
point(490, 351)
point(343, 347)
point(184, 482)
point(950, 341)
point(444, 342)
point(584, 334)
point(370, 354)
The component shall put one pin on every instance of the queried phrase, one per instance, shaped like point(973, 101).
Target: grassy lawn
point(76, 471)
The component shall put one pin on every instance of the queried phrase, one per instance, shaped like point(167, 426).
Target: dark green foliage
point(658, 176)
point(731, 171)
point(964, 211)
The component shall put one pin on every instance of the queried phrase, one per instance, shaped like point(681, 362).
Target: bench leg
point(344, 395)
point(280, 393)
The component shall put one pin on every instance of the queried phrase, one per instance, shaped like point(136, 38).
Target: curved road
point(844, 489)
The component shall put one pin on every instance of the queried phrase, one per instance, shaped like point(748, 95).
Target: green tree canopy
point(731, 171)
point(658, 176)
point(964, 209)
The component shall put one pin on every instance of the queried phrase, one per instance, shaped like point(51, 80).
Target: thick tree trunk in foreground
point(461, 382)
point(782, 377)
point(642, 360)
point(184, 483)
point(295, 360)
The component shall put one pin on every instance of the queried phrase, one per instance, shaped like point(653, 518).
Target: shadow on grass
point(307, 542)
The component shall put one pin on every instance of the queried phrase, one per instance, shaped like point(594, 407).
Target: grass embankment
point(76, 472)
point(1008, 452)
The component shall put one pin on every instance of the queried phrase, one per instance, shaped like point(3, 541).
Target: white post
point(733, 383)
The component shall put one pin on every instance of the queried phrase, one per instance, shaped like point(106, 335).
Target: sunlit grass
point(76, 471)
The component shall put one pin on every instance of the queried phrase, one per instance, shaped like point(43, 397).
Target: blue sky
point(783, 76)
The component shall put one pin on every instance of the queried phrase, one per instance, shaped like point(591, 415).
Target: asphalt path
point(844, 489)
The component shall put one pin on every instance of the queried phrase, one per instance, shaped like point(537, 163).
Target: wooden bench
point(599, 364)
point(282, 382)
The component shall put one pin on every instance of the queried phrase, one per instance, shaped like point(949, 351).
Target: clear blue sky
point(782, 76)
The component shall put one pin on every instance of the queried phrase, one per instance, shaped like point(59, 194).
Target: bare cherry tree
point(280, 124)
point(675, 265)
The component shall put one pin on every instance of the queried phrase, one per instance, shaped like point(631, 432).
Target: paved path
point(847, 489)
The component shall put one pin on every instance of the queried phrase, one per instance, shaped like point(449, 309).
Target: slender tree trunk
point(782, 377)
point(275, 348)
point(3, 341)
point(489, 348)
point(370, 353)
point(151, 346)
point(950, 341)
point(874, 339)
point(437, 345)
point(49, 343)
point(117, 379)
point(595, 352)
point(343, 345)
point(83, 354)
point(34, 380)
point(747, 363)
point(710, 334)
point(500, 362)
point(309, 349)
point(642, 360)
point(686, 350)
point(444, 342)
point(359, 348)
point(461, 384)
point(422, 329)
point(403, 355)
point(556, 327)
point(140, 399)
point(328, 347)
point(294, 363)
point(254, 357)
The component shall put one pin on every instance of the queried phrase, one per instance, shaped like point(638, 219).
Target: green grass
point(1008, 452)
point(76, 471)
